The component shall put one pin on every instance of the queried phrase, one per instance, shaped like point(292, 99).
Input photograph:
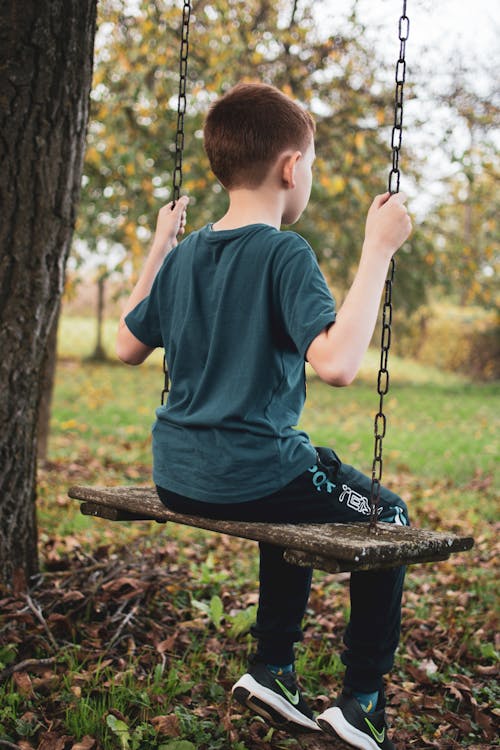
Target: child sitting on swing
point(239, 306)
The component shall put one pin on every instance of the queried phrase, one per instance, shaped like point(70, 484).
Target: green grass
point(77, 337)
point(431, 426)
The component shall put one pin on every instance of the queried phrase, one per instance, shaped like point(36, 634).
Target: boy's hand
point(387, 224)
point(170, 224)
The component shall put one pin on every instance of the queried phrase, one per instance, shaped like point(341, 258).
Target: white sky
point(442, 32)
point(471, 27)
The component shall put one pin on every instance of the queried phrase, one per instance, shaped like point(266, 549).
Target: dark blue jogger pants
point(328, 492)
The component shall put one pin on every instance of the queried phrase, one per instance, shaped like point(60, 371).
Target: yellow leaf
point(92, 155)
point(70, 424)
point(124, 61)
point(337, 184)
point(359, 141)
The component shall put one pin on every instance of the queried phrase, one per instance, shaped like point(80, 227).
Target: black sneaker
point(347, 720)
point(275, 697)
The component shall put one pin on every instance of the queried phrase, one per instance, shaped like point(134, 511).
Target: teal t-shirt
point(235, 311)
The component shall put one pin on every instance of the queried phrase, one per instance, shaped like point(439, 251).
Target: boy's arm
point(336, 353)
point(170, 224)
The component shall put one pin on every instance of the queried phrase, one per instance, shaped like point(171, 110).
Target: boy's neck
point(258, 206)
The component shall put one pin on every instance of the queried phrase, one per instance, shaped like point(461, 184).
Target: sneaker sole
point(268, 704)
point(333, 722)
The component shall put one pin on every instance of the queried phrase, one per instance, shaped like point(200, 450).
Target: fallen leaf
point(73, 596)
point(53, 741)
point(86, 743)
point(492, 669)
point(428, 666)
point(166, 645)
point(167, 725)
point(23, 684)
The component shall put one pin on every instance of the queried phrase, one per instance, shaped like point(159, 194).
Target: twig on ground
point(123, 623)
point(48, 574)
point(25, 665)
point(38, 613)
point(5, 743)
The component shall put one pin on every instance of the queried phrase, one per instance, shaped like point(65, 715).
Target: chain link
point(179, 138)
point(380, 423)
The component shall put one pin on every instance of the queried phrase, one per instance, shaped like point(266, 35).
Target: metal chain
point(397, 130)
point(380, 423)
point(181, 101)
point(179, 138)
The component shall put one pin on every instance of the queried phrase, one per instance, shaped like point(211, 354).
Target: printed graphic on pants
point(355, 501)
point(350, 493)
point(321, 481)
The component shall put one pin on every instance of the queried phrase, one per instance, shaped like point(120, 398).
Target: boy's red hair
point(248, 128)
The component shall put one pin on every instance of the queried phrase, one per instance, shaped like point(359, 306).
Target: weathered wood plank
point(333, 547)
point(331, 565)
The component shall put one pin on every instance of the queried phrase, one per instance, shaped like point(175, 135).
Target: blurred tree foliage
point(467, 239)
point(130, 155)
point(464, 224)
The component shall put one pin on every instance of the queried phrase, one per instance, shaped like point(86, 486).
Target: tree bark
point(45, 79)
point(47, 379)
point(99, 354)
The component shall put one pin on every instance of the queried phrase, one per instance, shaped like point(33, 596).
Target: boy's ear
point(288, 168)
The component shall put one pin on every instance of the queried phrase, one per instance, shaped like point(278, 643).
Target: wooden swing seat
point(333, 547)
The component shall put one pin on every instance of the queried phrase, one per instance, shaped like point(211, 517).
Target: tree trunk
point(45, 78)
point(99, 354)
point(47, 379)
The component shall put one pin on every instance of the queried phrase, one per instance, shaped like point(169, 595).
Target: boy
point(239, 306)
